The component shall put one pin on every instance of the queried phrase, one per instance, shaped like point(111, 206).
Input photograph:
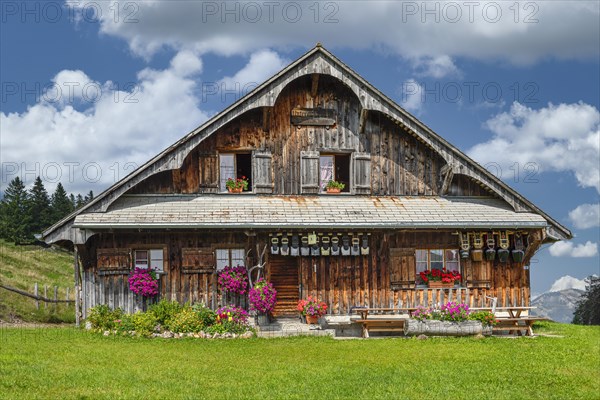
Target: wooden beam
point(535, 241)
point(266, 118)
point(363, 121)
point(447, 173)
point(315, 85)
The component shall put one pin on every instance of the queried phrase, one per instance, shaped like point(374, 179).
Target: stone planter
point(413, 327)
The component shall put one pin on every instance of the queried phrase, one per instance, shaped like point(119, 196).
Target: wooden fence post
point(67, 296)
point(55, 298)
point(45, 295)
point(35, 291)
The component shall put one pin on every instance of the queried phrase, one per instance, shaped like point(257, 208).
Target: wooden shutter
point(362, 173)
point(402, 268)
point(197, 260)
point(262, 172)
point(208, 169)
point(115, 260)
point(309, 165)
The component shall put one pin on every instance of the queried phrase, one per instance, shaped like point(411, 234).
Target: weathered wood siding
point(189, 271)
point(387, 159)
point(384, 278)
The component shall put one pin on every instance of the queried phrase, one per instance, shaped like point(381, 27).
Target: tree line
point(588, 307)
point(24, 213)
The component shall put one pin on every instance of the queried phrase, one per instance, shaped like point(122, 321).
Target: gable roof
point(316, 61)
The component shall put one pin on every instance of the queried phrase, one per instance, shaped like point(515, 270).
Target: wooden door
point(283, 274)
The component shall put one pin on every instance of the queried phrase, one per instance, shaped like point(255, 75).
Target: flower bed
point(171, 320)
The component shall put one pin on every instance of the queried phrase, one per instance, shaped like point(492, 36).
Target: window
point(334, 167)
point(234, 165)
point(152, 258)
point(437, 259)
point(230, 258)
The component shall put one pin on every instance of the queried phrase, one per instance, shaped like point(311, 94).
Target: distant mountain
point(558, 306)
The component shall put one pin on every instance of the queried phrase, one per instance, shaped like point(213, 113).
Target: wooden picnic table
point(514, 312)
point(515, 322)
point(364, 311)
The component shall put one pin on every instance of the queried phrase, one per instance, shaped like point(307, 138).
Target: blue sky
point(92, 89)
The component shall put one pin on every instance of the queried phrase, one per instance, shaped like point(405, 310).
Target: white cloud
point(480, 30)
point(262, 65)
point(567, 282)
point(437, 67)
point(412, 96)
point(586, 216)
point(568, 249)
point(562, 138)
point(120, 126)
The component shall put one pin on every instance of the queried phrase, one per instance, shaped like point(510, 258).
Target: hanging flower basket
point(233, 280)
point(262, 297)
point(143, 282)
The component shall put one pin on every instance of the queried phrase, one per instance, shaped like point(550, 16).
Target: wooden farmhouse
point(411, 202)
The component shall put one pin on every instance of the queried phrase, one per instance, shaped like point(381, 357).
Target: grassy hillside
point(70, 363)
point(23, 266)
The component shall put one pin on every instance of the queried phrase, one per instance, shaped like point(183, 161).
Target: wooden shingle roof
point(297, 212)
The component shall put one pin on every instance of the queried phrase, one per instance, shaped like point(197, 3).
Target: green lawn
point(69, 363)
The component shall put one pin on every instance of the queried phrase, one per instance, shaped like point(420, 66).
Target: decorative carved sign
point(314, 116)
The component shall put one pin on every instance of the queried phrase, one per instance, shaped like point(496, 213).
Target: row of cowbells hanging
point(313, 245)
point(502, 253)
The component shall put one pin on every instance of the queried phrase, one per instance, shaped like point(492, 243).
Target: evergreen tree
point(39, 207)
point(89, 197)
point(79, 201)
point(73, 201)
point(14, 217)
point(61, 205)
point(588, 307)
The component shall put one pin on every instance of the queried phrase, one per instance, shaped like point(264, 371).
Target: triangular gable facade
point(316, 61)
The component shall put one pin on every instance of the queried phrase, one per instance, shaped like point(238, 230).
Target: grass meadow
point(71, 363)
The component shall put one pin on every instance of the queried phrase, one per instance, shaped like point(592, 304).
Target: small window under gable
point(334, 167)
point(234, 166)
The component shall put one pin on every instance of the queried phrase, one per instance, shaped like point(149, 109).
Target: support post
point(77, 291)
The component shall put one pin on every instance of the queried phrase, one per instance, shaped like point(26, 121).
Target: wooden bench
point(380, 319)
